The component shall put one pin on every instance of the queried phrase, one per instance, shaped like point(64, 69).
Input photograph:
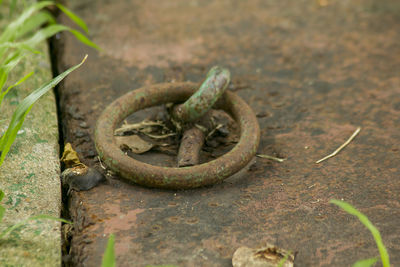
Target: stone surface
point(313, 71)
point(266, 256)
point(29, 175)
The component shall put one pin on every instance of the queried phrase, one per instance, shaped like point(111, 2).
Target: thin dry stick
point(270, 157)
point(163, 136)
point(341, 147)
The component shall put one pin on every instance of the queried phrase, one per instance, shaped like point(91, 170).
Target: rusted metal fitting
point(202, 100)
point(167, 177)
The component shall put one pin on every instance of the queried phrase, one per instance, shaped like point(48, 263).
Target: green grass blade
point(2, 209)
point(8, 138)
point(24, 107)
point(365, 263)
point(37, 217)
point(12, 7)
point(11, 30)
point(53, 29)
point(34, 22)
point(83, 39)
point(3, 93)
point(49, 217)
point(109, 254)
point(73, 17)
point(8, 65)
point(364, 220)
point(282, 261)
point(45, 33)
point(20, 46)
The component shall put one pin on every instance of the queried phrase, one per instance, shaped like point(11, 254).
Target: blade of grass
point(2, 209)
point(282, 261)
point(20, 46)
point(23, 109)
point(109, 254)
point(8, 138)
point(8, 65)
point(83, 39)
point(12, 7)
point(73, 17)
point(3, 93)
point(37, 217)
point(364, 220)
point(12, 28)
point(365, 263)
point(53, 29)
point(34, 22)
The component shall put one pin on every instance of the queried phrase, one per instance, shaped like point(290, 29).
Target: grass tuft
point(375, 232)
point(109, 253)
point(23, 109)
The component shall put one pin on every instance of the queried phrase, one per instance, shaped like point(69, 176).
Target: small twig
point(163, 136)
point(270, 157)
point(219, 126)
point(341, 147)
point(101, 164)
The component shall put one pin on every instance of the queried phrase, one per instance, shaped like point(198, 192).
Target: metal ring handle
point(170, 177)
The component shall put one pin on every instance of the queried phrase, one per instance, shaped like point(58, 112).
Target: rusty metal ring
point(170, 177)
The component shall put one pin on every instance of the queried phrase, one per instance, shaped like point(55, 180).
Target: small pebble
point(73, 112)
point(79, 134)
point(91, 153)
point(83, 125)
point(81, 178)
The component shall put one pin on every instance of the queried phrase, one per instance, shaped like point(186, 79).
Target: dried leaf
point(70, 157)
point(134, 143)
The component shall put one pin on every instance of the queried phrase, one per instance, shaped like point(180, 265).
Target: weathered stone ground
point(313, 71)
point(30, 173)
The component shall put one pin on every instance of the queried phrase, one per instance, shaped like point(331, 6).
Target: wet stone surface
point(311, 72)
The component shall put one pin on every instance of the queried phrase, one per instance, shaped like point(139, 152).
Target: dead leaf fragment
point(70, 157)
point(134, 143)
point(267, 256)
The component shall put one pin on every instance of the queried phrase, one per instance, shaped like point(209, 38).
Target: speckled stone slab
point(312, 71)
point(29, 175)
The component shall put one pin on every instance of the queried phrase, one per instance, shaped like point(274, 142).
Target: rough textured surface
point(312, 73)
point(30, 173)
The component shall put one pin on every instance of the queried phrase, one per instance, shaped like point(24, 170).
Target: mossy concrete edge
point(30, 174)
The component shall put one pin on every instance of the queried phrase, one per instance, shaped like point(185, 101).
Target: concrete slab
point(313, 71)
point(30, 174)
